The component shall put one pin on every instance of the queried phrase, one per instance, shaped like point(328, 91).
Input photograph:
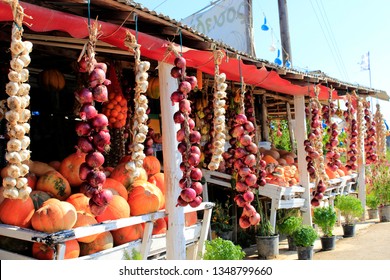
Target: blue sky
point(326, 35)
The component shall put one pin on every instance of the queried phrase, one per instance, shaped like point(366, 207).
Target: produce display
point(352, 130)
point(380, 132)
point(370, 144)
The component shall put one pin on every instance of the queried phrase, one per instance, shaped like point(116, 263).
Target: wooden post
point(290, 128)
point(300, 129)
point(284, 31)
point(176, 249)
point(264, 124)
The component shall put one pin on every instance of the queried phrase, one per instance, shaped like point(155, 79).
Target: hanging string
point(181, 43)
point(89, 13)
point(136, 26)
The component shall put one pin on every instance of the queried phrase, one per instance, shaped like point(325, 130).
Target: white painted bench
point(150, 246)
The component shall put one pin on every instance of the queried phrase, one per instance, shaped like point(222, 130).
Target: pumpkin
point(1, 194)
point(52, 79)
point(39, 197)
point(281, 161)
point(127, 234)
point(55, 164)
point(42, 251)
point(273, 153)
point(54, 183)
point(70, 168)
point(85, 219)
point(331, 174)
point(159, 226)
point(191, 218)
point(80, 202)
point(39, 168)
point(122, 175)
point(102, 242)
point(269, 159)
point(53, 216)
point(117, 208)
point(144, 197)
point(32, 180)
point(151, 165)
point(289, 159)
point(153, 90)
point(17, 212)
point(158, 180)
point(115, 186)
point(340, 172)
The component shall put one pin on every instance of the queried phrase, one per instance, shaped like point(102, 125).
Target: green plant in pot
point(379, 182)
point(288, 226)
point(304, 238)
point(221, 220)
point(350, 208)
point(325, 218)
point(372, 202)
point(221, 249)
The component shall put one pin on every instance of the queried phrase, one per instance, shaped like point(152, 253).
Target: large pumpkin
point(17, 212)
point(153, 88)
point(53, 216)
point(144, 197)
point(158, 180)
point(70, 168)
point(159, 226)
point(54, 183)
point(116, 187)
point(80, 202)
point(85, 219)
point(151, 165)
point(127, 234)
point(52, 79)
point(103, 241)
point(117, 208)
point(42, 251)
point(121, 174)
point(39, 197)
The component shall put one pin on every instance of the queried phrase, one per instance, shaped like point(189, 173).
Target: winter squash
point(80, 202)
point(117, 208)
point(32, 180)
point(159, 226)
point(269, 159)
point(191, 218)
point(54, 183)
point(55, 164)
point(151, 165)
point(158, 180)
point(331, 174)
point(273, 153)
point(121, 174)
point(39, 197)
point(53, 216)
point(127, 234)
point(17, 212)
point(1, 194)
point(144, 198)
point(289, 159)
point(85, 219)
point(115, 186)
point(102, 242)
point(52, 79)
point(154, 88)
point(70, 168)
point(39, 168)
point(42, 251)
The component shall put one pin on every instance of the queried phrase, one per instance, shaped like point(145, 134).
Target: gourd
point(17, 212)
point(52, 79)
point(144, 198)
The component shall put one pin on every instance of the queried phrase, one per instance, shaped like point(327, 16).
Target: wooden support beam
point(279, 97)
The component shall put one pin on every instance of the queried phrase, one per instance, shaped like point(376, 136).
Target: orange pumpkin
point(151, 165)
point(331, 174)
point(269, 159)
point(273, 153)
point(85, 219)
point(103, 241)
point(17, 212)
point(39, 197)
point(340, 172)
point(191, 218)
point(42, 251)
point(55, 164)
point(117, 208)
point(115, 186)
point(32, 180)
point(53, 216)
point(158, 180)
point(80, 202)
point(153, 88)
point(159, 226)
point(39, 168)
point(1, 194)
point(70, 168)
point(144, 197)
point(54, 183)
point(122, 175)
point(127, 234)
point(52, 79)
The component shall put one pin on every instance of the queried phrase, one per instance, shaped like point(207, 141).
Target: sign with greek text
point(227, 21)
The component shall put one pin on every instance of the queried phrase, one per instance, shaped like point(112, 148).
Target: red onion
point(245, 140)
point(84, 95)
point(100, 93)
point(250, 180)
point(252, 148)
point(249, 127)
point(85, 145)
point(100, 121)
point(84, 170)
point(196, 174)
point(244, 222)
point(241, 186)
point(255, 219)
point(195, 149)
point(101, 65)
point(193, 81)
point(198, 187)
point(193, 159)
point(188, 194)
point(87, 189)
point(181, 202)
point(240, 119)
point(196, 202)
point(88, 111)
point(185, 87)
point(176, 96)
point(180, 135)
point(185, 106)
point(250, 160)
point(96, 178)
point(178, 117)
point(240, 201)
point(83, 129)
point(195, 137)
point(244, 171)
point(101, 140)
point(94, 159)
point(180, 62)
point(103, 197)
point(248, 196)
point(97, 75)
point(237, 131)
point(176, 72)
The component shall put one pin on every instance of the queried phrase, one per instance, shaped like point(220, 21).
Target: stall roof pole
point(176, 249)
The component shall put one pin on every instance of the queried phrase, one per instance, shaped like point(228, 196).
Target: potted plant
point(372, 202)
point(380, 184)
point(221, 249)
point(221, 221)
point(325, 218)
point(266, 240)
point(287, 226)
point(350, 208)
point(304, 238)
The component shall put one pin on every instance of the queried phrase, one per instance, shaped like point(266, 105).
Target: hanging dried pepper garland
point(218, 133)
point(18, 116)
point(314, 149)
point(352, 131)
point(380, 133)
point(140, 118)
point(370, 144)
point(94, 136)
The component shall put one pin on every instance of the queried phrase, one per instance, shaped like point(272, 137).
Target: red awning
point(44, 20)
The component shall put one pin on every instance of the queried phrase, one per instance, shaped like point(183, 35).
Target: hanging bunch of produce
point(18, 116)
point(380, 133)
point(219, 102)
point(370, 144)
point(94, 136)
point(116, 111)
point(352, 130)
point(333, 161)
point(314, 149)
point(140, 128)
point(188, 138)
